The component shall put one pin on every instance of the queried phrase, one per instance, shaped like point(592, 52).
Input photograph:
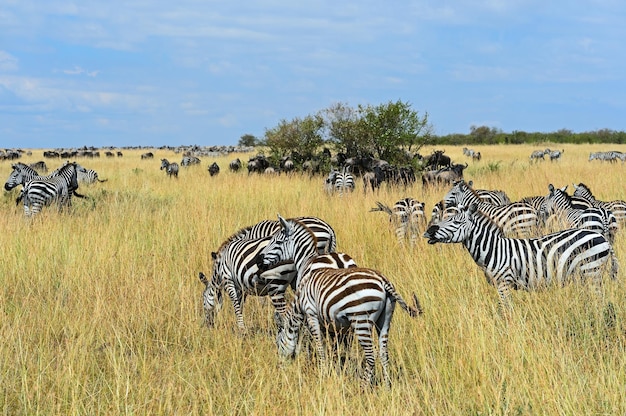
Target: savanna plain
point(102, 313)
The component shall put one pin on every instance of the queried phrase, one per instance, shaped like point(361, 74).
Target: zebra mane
point(235, 236)
point(473, 210)
point(469, 186)
point(585, 187)
point(24, 167)
point(303, 225)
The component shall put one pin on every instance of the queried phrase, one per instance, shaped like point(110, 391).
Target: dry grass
point(101, 309)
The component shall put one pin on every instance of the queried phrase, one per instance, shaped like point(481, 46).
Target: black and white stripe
point(189, 160)
point(531, 263)
point(514, 218)
point(340, 182)
point(558, 203)
point(88, 176)
point(333, 301)
point(170, 168)
point(407, 216)
point(494, 197)
point(38, 193)
point(441, 212)
point(617, 207)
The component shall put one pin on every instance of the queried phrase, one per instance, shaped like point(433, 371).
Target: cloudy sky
point(154, 72)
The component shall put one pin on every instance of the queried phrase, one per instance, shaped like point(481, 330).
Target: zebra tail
point(77, 195)
point(102, 180)
point(413, 311)
point(381, 207)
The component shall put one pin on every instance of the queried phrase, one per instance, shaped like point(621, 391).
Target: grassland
point(101, 309)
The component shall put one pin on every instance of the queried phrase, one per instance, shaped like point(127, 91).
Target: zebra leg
point(316, 331)
point(505, 297)
point(238, 301)
point(363, 332)
point(383, 338)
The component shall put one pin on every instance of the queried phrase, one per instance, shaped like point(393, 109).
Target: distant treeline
point(490, 135)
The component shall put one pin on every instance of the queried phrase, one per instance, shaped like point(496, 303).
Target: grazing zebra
point(189, 160)
point(325, 234)
point(170, 168)
point(407, 215)
point(441, 212)
point(235, 269)
point(38, 193)
point(560, 204)
point(555, 155)
point(514, 218)
point(334, 301)
point(235, 165)
point(88, 176)
point(617, 207)
point(605, 156)
point(214, 169)
point(340, 182)
point(494, 197)
point(537, 155)
point(529, 263)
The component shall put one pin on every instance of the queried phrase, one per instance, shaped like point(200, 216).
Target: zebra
point(494, 197)
point(555, 155)
point(560, 204)
point(340, 182)
point(325, 234)
point(617, 207)
point(513, 218)
point(88, 176)
point(170, 168)
point(441, 212)
point(537, 155)
point(23, 173)
point(37, 193)
point(235, 270)
point(604, 156)
point(334, 301)
point(407, 215)
point(189, 160)
point(525, 263)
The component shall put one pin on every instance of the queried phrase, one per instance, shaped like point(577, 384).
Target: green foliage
point(301, 135)
point(248, 140)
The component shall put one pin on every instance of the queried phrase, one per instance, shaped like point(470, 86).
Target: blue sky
point(154, 72)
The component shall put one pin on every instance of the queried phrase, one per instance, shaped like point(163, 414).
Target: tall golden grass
point(101, 308)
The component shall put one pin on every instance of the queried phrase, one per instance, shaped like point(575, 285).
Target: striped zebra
point(88, 176)
point(340, 182)
point(38, 193)
point(189, 160)
point(441, 212)
point(617, 207)
point(39, 166)
point(170, 168)
point(513, 218)
point(610, 156)
point(333, 301)
point(558, 203)
point(236, 270)
point(537, 155)
point(555, 155)
point(407, 216)
point(23, 173)
point(526, 263)
point(250, 281)
point(494, 197)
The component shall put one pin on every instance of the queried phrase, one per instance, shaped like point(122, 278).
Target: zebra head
point(280, 247)
point(212, 294)
point(453, 196)
point(164, 164)
point(556, 200)
point(455, 229)
point(15, 178)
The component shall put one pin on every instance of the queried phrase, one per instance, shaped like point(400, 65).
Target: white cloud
point(80, 71)
point(8, 62)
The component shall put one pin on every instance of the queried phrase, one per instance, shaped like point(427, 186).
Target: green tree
point(301, 135)
point(248, 140)
point(388, 130)
point(341, 126)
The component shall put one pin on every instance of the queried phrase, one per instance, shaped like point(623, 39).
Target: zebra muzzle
point(431, 234)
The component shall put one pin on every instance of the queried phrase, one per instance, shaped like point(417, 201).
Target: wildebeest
point(438, 160)
point(443, 176)
point(147, 155)
point(235, 165)
point(214, 169)
point(258, 164)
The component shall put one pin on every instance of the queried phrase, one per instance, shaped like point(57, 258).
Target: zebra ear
point(551, 188)
point(564, 189)
point(213, 255)
point(283, 223)
point(471, 183)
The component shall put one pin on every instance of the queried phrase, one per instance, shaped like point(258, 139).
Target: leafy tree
point(341, 125)
point(248, 140)
point(387, 130)
point(299, 135)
